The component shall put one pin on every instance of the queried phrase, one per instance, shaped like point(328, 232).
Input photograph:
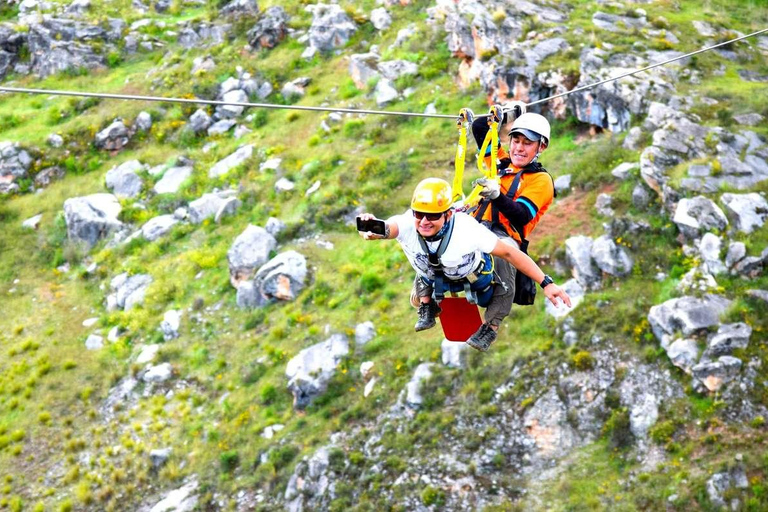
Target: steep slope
point(193, 322)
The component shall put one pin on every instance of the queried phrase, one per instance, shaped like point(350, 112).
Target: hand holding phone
point(375, 226)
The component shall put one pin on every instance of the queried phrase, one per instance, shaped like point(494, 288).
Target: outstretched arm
point(523, 263)
point(391, 232)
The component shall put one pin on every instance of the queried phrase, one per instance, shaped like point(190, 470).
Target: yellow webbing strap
point(492, 139)
point(461, 152)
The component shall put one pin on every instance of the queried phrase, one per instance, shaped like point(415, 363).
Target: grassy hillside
point(60, 449)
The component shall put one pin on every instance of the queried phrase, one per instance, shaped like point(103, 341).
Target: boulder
point(159, 226)
point(727, 338)
point(687, 315)
point(123, 181)
point(546, 424)
point(170, 324)
point(114, 137)
point(91, 218)
point(364, 333)
point(232, 111)
point(563, 184)
point(748, 211)
point(94, 342)
point(57, 45)
point(158, 374)
point(720, 483)
point(714, 374)
point(158, 458)
point(212, 205)
point(615, 23)
point(578, 254)
point(14, 160)
point(310, 483)
point(454, 355)
point(251, 250)
point(271, 28)
point(611, 258)
point(737, 251)
point(199, 121)
point(203, 65)
point(710, 247)
point(237, 158)
point(575, 291)
point(683, 353)
point(32, 222)
point(311, 369)
point(172, 180)
point(221, 127)
point(148, 354)
point(385, 92)
point(413, 398)
point(380, 18)
point(128, 291)
point(296, 88)
point(143, 122)
point(641, 197)
point(282, 278)
point(48, 175)
point(697, 214)
point(183, 499)
point(331, 27)
point(603, 205)
point(240, 9)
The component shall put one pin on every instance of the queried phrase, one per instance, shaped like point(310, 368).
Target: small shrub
point(757, 422)
point(616, 429)
point(268, 394)
point(282, 456)
point(370, 282)
point(229, 461)
point(663, 431)
point(432, 496)
point(583, 360)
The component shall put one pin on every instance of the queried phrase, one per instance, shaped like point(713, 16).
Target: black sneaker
point(483, 338)
point(427, 313)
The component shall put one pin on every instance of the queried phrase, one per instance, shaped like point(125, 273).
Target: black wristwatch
point(546, 281)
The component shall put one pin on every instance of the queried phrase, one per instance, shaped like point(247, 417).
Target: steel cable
point(197, 101)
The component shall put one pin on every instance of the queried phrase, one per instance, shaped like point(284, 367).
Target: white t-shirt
point(469, 241)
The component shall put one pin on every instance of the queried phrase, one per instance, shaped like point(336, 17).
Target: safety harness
point(436, 265)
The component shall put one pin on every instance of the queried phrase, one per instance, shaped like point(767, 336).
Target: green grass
point(230, 363)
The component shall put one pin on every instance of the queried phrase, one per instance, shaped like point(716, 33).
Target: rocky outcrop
point(127, 291)
point(271, 28)
point(91, 218)
point(214, 205)
point(123, 181)
point(282, 278)
point(59, 44)
point(310, 370)
point(331, 28)
point(114, 137)
point(251, 249)
point(14, 164)
point(222, 167)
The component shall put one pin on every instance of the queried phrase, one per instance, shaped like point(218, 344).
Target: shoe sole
point(478, 347)
point(418, 329)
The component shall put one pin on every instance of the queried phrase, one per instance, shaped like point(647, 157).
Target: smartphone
point(375, 226)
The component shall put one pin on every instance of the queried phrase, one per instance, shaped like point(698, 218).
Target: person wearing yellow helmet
point(449, 250)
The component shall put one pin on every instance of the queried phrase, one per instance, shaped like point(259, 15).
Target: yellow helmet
point(432, 195)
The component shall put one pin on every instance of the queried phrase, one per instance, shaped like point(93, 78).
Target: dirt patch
point(573, 211)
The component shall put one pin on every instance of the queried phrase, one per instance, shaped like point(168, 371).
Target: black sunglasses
point(430, 216)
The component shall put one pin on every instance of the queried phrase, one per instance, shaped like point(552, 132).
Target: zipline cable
point(195, 101)
point(579, 89)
